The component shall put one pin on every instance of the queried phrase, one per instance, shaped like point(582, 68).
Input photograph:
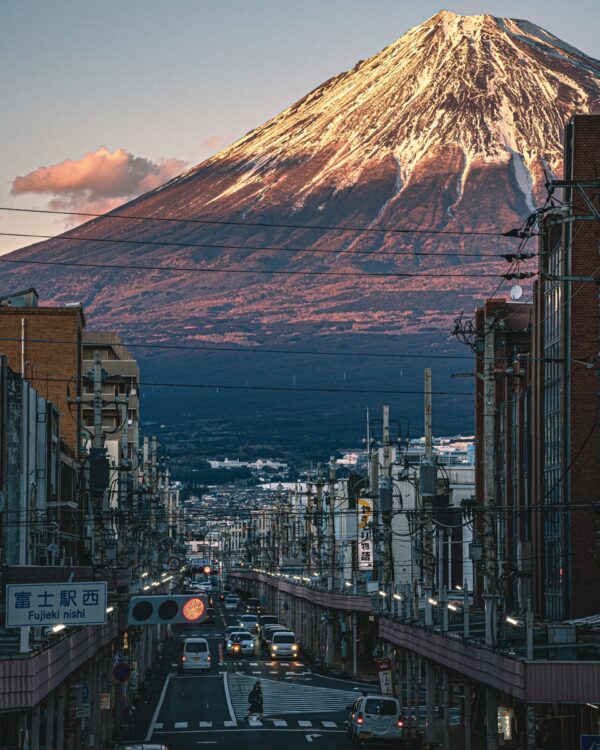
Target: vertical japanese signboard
point(384, 672)
point(365, 533)
point(47, 604)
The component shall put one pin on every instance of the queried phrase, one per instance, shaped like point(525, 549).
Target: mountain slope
point(450, 128)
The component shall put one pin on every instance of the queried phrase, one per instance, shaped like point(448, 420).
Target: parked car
point(195, 655)
point(240, 642)
point(250, 622)
point(375, 717)
point(283, 644)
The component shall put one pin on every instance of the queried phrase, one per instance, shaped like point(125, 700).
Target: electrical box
point(475, 551)
point(428, 477)
point(385, 495)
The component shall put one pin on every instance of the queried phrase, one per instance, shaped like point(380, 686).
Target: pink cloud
point(101, 179)
point(214, 142)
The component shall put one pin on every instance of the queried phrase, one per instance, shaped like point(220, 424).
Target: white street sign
point(48, 604)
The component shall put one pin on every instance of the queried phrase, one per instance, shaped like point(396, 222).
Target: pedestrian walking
point(255, 701)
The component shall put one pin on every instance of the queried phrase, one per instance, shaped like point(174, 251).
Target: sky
point(102, 101)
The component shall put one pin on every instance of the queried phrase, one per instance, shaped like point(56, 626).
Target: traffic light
point(207, 569)
point(152, 610)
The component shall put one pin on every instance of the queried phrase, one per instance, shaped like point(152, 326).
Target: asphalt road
point(301, 709)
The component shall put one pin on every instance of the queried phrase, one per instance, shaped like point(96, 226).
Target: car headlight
point(229, 644)
point(295, 647)
point(274, 648)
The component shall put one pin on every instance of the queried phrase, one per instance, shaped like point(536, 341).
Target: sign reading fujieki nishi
point(48, 604)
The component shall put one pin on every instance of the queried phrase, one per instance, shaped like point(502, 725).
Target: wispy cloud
point(100, 180)
point(214, 142)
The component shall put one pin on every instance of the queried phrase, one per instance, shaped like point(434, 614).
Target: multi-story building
point(44, 345)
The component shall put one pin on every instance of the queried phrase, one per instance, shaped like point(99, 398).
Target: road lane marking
point(311, 737)
point(305, 723)
point(256, 672)
point(158, 707)
point(206, 742)
point(206, 724)
point(329, 724)
point(279, 723)
point(158, 725)
point(254, 664)
point(273, 672)
point(230, 723)
point(228, 698)
point(181, 725)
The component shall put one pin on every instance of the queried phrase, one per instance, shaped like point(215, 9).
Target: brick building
point(546, 464)
point(565, 340)
point(44, 344)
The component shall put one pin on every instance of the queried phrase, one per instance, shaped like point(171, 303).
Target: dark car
point(253, 606)
point(210, 615)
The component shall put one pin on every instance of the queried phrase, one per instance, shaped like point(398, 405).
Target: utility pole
point(385, 508)
point(489, 502)
point(428, 552)
point(319, 520)
point(331, 547)
point(309, 525)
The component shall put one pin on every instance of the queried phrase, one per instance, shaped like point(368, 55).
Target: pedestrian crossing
point(286, 698)
point(265, 723)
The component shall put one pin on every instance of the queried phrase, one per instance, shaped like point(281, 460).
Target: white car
point(375, 717)
point(195, 655)
point(283, 644)
point(240, 642)
point(231, 603)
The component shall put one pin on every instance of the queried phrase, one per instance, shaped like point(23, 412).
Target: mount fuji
point(453, 128)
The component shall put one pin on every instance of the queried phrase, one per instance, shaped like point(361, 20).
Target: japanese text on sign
point(55, 604)
point(364, 543)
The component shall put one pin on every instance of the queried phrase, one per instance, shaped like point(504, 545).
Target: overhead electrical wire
point(211, 246)
point(256, 271)
point(268, 225)
point(287, 389)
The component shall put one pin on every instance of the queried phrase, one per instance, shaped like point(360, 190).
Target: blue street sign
point(85, 692)
point(589, 742)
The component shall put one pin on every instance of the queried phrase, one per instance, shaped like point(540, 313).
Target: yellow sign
point(365, 511)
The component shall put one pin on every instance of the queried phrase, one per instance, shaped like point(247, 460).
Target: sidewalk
point(136, 725)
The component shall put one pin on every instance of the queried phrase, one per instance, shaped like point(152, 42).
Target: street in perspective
point(299, 375)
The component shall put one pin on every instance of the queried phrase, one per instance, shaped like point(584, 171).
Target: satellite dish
point(516, 292)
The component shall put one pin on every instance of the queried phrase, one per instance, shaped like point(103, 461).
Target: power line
point(287, 389)
point(269, 225)
point(312, 251)
point(238, 350)
point(256, 271)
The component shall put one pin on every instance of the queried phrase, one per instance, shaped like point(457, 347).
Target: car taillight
point(359, 719)
point(400, 724)
point(209, 657)
point(183, 658)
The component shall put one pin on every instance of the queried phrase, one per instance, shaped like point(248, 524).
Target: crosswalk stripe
point(230, 723)
point(286, 697)
point(205, 724)
point(329, 724)
point(181, 725)
point(305, 723)
point(279, 723)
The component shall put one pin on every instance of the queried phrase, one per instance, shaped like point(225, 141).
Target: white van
point(283, 644)
point(195, 655)
point(375, 717)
